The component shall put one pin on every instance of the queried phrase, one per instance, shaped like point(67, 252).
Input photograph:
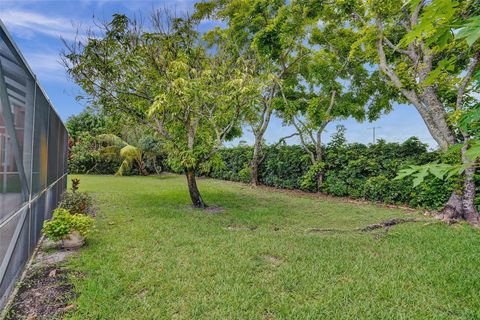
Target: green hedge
point(350, 170)
point(353, 170)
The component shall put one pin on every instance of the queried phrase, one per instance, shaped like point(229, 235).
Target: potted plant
point(69, 228)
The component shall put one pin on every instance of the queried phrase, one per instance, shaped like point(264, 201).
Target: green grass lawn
point(154, 257)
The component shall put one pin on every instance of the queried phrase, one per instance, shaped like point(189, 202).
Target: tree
point(271, 33)
point(465, 118)
point(414, 48)
point(167, 80)
point(331, 86)
point(86, 121)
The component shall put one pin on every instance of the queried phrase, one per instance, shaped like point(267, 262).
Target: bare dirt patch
point(214, 209)
point(272, 259)
point(45, 292)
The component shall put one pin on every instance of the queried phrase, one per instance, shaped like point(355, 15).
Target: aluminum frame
point(31, 187)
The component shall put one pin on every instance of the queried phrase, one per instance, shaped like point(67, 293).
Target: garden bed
point(46, 291)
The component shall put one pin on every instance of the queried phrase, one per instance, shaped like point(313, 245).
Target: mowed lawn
point(154, 257)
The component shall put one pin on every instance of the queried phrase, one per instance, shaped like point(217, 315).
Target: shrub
point(382, 189)
point(309, 180)
point(354, 170)
point(350, 169)
point(77, 202)
point(85, 158)
point(431, 194)
point(245, 174)
point(63, 222)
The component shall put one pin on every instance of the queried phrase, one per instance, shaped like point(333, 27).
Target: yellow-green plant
point(63, 222)
point(116, 146)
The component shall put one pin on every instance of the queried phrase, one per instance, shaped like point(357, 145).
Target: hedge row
point(353, 170)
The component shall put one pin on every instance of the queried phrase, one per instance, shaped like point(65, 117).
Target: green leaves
point(115, 146)
point(63, 222)
point(473, 152)
point(438, 170)
point(470, 31)
point(435, 22)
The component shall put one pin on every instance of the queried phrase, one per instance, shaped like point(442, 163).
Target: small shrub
point(75, 184)
point(63, 222)
point(77, 203)
point(245, 174)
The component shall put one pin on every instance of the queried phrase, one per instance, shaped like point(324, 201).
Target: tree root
point(387, 224)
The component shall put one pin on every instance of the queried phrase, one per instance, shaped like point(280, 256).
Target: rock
point(44, 259)
point(53, 273)
point(49, 244)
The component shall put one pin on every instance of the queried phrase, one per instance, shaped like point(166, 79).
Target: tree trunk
point(255, 163)
point(318, 150)
point(197, 200)
point(319, 180)
point(462, 206)
point(453, 209)
point(470, 212)
point(141, 166)
point(155, 165)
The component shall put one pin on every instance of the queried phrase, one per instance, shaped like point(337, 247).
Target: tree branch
point(466, 80)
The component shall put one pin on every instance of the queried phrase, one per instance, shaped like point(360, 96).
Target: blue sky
point(36, 27)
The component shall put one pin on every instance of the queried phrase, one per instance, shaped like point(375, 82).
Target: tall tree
point(271, 33)
point(427, 66)
point(331, 86)
point(87, 121)
point(167, 80)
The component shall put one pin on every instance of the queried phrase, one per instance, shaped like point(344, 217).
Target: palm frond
point(111, 139)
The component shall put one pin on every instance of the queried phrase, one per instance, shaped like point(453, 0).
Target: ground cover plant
point(267, 254)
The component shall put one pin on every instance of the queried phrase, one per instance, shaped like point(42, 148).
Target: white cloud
point(26, 24)
point(46, 66)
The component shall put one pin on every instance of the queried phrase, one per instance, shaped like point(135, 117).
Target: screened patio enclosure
point(33, 162)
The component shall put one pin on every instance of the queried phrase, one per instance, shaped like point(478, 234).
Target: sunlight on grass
point(154, 257)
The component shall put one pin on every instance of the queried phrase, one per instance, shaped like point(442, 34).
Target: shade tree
point(329, 86)
point(163, 77)
point(271, 33)
point(413, 45)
